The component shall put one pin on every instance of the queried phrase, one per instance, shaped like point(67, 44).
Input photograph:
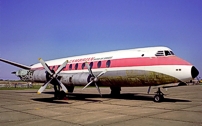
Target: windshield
point(164, 53)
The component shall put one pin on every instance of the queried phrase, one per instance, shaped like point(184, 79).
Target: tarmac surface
point(182, 106)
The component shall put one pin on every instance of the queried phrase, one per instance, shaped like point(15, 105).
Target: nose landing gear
point(159, 96)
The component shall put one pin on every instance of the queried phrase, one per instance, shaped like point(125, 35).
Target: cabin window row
point(83, 65)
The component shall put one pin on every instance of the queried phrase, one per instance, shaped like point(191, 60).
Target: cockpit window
point(164, 53)
point(160, 53)
point(167, 53)
point(172, 52)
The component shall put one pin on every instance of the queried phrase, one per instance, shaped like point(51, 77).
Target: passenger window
point(99, 64)
point(83, 65)
point(91, 65)
point(76, 66)
point(108, 63)
point(70, 67)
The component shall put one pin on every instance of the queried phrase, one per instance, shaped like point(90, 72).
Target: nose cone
point(194, 72)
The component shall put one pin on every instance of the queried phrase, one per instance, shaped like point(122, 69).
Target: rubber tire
point(60, 95)
point(70, 89)
point(157, 98)
point(115, 91)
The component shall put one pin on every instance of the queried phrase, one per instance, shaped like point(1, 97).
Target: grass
point(23, 88)
point(21, 85)
point(12, 88)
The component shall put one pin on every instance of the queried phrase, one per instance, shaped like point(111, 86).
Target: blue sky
point(50, 29)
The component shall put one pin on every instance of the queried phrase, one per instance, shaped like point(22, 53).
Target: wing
point(16, 64)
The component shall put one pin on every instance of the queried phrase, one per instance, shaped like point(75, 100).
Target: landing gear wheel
point(60, 95)
point(158, 98)
point(70, 89)
point(115, 91)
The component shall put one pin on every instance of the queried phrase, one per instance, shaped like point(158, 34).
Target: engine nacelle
point(76, 79)
point(39, 76)
point(81, 79)
point(67, 79)
point(24, 75)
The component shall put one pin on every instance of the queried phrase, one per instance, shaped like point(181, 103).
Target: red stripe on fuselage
point(147, 61)
point(129, 62)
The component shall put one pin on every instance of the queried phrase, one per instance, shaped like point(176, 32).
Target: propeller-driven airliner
point(150, 66)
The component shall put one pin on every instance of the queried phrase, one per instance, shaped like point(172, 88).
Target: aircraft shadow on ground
point(50, 100)
point(125, 96)
point(90, 97)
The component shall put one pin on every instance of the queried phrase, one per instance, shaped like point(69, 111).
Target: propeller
point(52, 76)
point(94, 78)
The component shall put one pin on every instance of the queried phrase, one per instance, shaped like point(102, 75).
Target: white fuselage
point(133, 67)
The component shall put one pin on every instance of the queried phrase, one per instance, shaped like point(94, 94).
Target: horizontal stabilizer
point(16, 64)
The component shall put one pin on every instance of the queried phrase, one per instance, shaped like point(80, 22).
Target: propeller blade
point(45, 66)
point(62, 85)
point(103, 72)
point(88, 84)
point(61, 68)
point(98, 89)
point(89, 69)
point(43, 87)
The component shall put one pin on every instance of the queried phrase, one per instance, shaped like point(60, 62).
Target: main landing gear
point(115, 91)
point(58, 94)
point(159, 96)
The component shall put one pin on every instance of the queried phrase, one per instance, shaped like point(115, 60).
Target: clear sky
point(50, 29)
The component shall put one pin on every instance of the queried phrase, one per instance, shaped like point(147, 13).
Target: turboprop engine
point(25, 75)
point(50, 76)
point(40, 75)
point(79, 79)
point(32, 75)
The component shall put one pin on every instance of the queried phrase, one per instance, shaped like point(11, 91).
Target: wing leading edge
point(16, 64)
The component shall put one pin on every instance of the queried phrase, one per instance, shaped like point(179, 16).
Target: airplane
point(149, 66)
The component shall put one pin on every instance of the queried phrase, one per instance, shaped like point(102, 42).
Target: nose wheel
point(159, 96)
